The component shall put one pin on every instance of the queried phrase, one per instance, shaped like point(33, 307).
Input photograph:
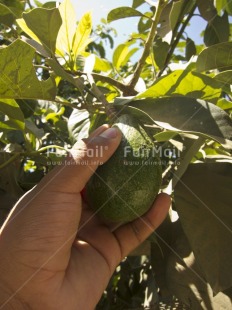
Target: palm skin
point(54, 252)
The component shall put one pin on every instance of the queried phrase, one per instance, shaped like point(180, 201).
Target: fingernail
point(110, 133)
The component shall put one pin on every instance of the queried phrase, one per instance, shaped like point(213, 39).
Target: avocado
point(125, 187)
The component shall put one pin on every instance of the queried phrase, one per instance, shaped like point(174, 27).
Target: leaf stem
point(148, 43)
point(68, 104)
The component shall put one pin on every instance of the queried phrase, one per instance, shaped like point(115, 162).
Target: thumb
point(46, 218)
point(83, 160)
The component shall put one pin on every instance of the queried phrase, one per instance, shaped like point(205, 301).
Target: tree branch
point(29, 4)
point(66, 103)
point(177, 38)
point(148, 43)
point(98, 77)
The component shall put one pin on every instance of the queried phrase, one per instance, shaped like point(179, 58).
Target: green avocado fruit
point(125, 187)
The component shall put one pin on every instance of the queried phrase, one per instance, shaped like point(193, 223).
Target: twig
point(79, 83)
point(68, 104)
point(103, 78)
point(177, 38)
point(151, 3)
point(29, 4)
point(110, 111)
point(148, 44)
point(98, 77)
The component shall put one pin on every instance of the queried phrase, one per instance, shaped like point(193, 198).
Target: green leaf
point(229, 6)
point(78, 125)
point(129, 55)
point(138, 113)
point(122, 12)
point(222, 5)
point(122, 54)
point(165, 135)
point(190, 49)
point(224, 104)
point(191, 147)
point(218, 56)
point(178, 10)
point(186, 280)
point(175, 13)
point(38, 3)
point(45, 23)
point(97, 120)
point(18, 77)
point(68, 28)
point(165, 30)
point(225, 78)
point(208, 208)
point(184, 83)
point(22, 24)
point(188, 115)
point(217, 30)
point(83, 31)
point(119, 55)
point(137, 3)
point(9, 180)
point(144, 23)
point(207, 9)
point(33, 129)
point(7, 17)
point(37, 46)
point(27, 106)
point(60, 71)
point(49, 5)
point(10, 108)
point(160, 50)
point(55, 116)
point(9, 125)
point(102, 65)
point(14, 4)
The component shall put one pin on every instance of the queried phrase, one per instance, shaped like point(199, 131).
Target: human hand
point(54, 252)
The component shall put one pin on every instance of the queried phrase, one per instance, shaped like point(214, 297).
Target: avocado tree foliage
point(56, 86)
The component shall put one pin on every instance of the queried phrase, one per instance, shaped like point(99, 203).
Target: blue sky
point(100, 8)
point(124, 27)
